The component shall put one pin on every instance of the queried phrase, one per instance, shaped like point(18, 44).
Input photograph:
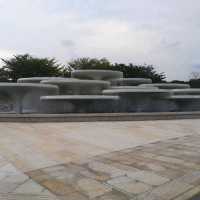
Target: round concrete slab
point(97, 74)
point(130, 81)
point(38, 79)
point(130, 87)
point(166, 85)
point(189, 91)
point(138, 91)
point(79, 87)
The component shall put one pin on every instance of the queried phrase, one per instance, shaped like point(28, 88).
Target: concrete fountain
point(95, 91)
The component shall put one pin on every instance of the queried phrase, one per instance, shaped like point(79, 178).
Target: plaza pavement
point(150, 160)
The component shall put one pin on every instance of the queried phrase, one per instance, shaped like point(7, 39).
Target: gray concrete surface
point(79, 87)
point(97, 74)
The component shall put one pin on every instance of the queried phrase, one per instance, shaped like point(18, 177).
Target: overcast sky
point(165, 33)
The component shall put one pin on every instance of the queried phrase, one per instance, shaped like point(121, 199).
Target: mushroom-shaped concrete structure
point(130, 81)
point(38, 79)
point(23, 97)
point(97, 74)
point(79, 87)
point(78, 104)
point(141, 99)
point(166, 85)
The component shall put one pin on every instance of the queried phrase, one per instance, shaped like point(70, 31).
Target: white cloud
point(163, 33)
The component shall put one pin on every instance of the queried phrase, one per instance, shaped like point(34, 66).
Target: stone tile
point(13, 196)
point(192, 178)
point(73, 196)
point(65, 174)
point(105, 177)
point(170, 160)
point(99, 176)
point(169, 190)
point(38, 175)
point(92, 188)
point(178, 161)
point(154, 167)
point(172, 173)
point(108, 169)
point(147, 197)
point(3, 162)
point(125, 168)
point(114, 195)
point(54, 168)
point(41, 178)
point(7, 187)
point(148, 178)
point(9, 169)
point(29, 187)
point(128, 185)
point(189, 194)
point(58, 187)
point(125, 159)
point(18, 179)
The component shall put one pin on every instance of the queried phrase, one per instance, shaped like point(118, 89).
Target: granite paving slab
point(106, 177)
point(147, 165)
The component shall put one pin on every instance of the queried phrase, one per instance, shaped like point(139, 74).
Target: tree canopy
point(21, 66)
point(129, 70)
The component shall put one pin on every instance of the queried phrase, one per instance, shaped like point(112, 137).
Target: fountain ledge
point(93, 117)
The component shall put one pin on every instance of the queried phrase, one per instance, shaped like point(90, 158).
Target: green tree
point(129, 71)
point(21, 66)
point(90, 63)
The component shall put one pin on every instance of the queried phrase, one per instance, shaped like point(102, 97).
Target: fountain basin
point(130, 81)
point(79, 87)
point(97, 74)
point(23, 97)
point(78, 104)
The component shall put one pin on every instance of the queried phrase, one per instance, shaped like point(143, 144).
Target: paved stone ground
point(158, 168)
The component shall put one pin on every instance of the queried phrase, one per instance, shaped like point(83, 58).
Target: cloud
point(68, 43)
point(162, 33)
